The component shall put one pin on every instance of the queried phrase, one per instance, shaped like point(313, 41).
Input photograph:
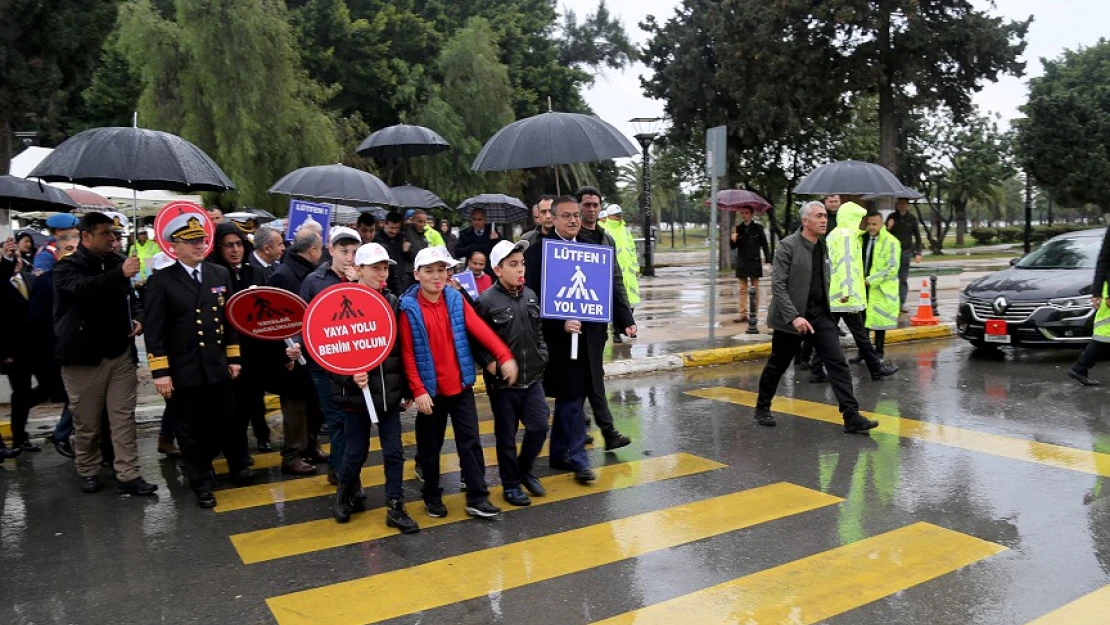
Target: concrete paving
point(980, 499)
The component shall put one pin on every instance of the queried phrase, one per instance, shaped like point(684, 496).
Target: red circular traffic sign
point(349, 328)
point(173, 209)
point(266, 313)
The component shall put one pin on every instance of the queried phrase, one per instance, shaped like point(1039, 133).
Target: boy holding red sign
point(436, 327)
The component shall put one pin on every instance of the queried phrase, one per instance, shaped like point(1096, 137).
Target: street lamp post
point(646, 134)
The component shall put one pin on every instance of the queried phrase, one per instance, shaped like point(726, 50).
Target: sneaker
point(483, 509)
point(419, 472)
point(395, 516)
point(858, 424)
point(435, 508)
point(206, 500)
point(888, 369)
point(462, 484)
point(763, 417)
point(137, 486)
point(265, 447)
point(166, 446)
point(585, 476)
point(532, 484)
point(1081, 376)
point(616, 440)
point(516, 497)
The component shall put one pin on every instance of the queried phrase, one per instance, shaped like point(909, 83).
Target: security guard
point(194, 355)
point(882, 257)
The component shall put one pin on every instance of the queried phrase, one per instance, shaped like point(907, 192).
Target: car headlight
point(1070, 303)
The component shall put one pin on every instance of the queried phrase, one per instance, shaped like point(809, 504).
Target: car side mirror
point(1014, 261)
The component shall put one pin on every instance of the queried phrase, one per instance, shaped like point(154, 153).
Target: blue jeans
point(357, 432)
point(333, 417)
point(64, 429)
point(568, 433)
point(511, 407)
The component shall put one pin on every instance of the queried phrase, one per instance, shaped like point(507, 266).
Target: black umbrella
point(850, 178)
point(906, 194)
point(263, 214)
point(402, 141)
point(408, 196)
point(135, 158)
point(551, 139)
point(498, 207)
point(337, 183)
point(29, 195)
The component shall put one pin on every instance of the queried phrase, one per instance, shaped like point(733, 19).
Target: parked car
point(1042, 300)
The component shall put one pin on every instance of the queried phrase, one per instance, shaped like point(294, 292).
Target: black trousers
point(512, 407)
point(826, 344)
point(24, 397)
point(430, 431)
point(205, 424)
point(854, 322)
point(599, 404)
point(1091, 355)
point(250, 405)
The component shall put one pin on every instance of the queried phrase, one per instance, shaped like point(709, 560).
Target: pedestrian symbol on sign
point(346, 310)
point(577, 289)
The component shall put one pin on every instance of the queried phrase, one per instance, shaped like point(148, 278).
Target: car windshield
point(1069, 253)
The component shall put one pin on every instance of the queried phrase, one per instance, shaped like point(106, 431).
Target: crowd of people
point(92, 302)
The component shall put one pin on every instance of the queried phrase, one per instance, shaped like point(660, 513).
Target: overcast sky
point(1057, 25)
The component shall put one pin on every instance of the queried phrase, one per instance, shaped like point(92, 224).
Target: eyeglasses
point(233, 244)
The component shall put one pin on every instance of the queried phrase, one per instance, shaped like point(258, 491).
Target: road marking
point(408, 439)
point(307, 488)
point(477, 574)
point(1057, 456)
point(291, 540)
point(819, 587)
point(1092, 609)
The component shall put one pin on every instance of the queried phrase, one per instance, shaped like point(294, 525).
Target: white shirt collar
point(259, 259)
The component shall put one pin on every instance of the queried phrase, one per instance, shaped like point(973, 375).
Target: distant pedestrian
point(1098, 349)
point(400, 251)
point(450, 241)
point(59, 225)
point(17, 349)
point(479, 237)
point(749, 240)
point(627, 258)
point(367, 227)
point(904, 226)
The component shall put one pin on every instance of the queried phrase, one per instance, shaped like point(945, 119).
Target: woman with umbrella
point(748, 240)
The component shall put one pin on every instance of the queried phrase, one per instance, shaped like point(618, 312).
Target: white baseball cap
point(342, 233)
point(503, 249)
point(160, 261)
point(372, 254)
point(433, 255)
point(614, 209)
point(603, 214)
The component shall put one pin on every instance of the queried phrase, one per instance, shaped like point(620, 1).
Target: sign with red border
point(266, 313)
point(349, 328)
point(173, 209)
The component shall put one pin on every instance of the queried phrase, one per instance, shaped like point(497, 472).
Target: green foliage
point(1064, 140)
point(984, 236)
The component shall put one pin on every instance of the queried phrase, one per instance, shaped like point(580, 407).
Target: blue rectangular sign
point(301, 211)
point(577, 282)
point(466, 279)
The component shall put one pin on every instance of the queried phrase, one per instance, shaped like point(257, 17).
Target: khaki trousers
point(111, 386)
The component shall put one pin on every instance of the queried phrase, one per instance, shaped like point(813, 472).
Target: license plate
point(996, 332)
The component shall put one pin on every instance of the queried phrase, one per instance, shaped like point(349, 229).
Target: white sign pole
point(300, 359)
point(574, 345)
point(370, 403)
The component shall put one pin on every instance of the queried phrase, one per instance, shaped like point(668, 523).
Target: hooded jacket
point(847, 290)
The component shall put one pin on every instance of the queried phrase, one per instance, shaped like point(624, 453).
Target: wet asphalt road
point(980, 499)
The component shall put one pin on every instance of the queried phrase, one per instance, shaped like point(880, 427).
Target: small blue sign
point(466, 279)
point(301, 211)
point(577, 282)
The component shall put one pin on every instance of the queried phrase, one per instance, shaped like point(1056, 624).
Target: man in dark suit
point(17, 349)
point(269, 246)
point(194, 356)
point(479, 237)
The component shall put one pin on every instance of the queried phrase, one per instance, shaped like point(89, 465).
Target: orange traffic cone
point(925, 316)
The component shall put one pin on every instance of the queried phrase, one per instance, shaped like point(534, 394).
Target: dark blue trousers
point(512, 407)
point(357, 433)
point(568, 433)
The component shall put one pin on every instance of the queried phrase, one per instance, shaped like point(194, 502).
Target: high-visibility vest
point(626, 258)
point(846, 287)
point(884, 302)
point(1102, 318)
point(435, 239)
point(144, 253)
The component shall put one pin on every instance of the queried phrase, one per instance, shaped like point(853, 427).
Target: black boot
point(342, 508)
point(395, 516)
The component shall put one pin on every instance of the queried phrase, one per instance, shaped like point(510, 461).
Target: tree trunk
point(888, 120)
point(5, 142)
point(960, 207)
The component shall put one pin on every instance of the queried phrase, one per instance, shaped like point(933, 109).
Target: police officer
point(194, 355)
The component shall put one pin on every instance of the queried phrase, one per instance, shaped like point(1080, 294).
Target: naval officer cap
point(185, 227)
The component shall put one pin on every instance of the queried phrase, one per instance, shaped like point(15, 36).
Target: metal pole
point(753, 310)
point(645, 201)
point(713, 261)
point(933, 293)
point(1028, 213)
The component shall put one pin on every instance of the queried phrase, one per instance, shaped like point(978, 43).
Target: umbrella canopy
point(550, 139)
point(135, 158)
point(261, 214)
point(735, 199)
point(849, 178)
point(89, 200)
point(907, 193)
point(402, 141)
point(337, 183)
point(30, 195)
point(408, 196)
point(498, 207)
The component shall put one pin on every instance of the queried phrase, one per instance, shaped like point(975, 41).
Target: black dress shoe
point(858, 424)
point(855, 360)
point(585, 476)
point(6, 453)
point(333, 477)
point(532, 484)
point(818, 378)
point(248, 460)
point(589, 439)
point(616, 440)
point(264, 447)
point(28, 447)
point(1081, 377)
point(64, 448)
point(206, 499)
point(90, 484)
point(516, 497)
point(560, 465)
point(888, 369)
point(617, 338)
point(137, 486)
point(763, 417)
point(242, 477)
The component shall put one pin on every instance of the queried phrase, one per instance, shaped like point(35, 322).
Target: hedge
point(1016, 234)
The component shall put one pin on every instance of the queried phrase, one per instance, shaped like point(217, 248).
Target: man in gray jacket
point(800, 306)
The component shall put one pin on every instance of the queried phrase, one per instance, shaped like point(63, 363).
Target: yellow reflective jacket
point(626, 258)
point(846, 287)
point(883, 299)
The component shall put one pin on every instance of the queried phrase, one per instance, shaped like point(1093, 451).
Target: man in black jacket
point(513, 311)
point(389, 236)
point(268, 249)
point(479, 237)
point(18, 349)
point(300, 408)
point(904, 226)
point(95, 320)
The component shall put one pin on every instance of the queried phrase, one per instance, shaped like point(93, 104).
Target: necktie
point(196, 275)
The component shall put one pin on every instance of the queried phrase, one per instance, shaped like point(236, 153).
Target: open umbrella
point(850, 178)
point(408, 196)
point(735, 199)
point(335, 183)
point(88, 200)
point(907, 193)
point(402, 141)
point(29, 195)
point(263, 215)
point(498, 207)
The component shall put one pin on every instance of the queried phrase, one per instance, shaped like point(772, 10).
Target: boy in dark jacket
point(389, 389)
point(436, 325)
point(513, 311)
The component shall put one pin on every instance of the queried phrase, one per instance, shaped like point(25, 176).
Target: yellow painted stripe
point(291, 540)
point(471, 575)
point(408, 439)
point(1092, 609)
point(6, 429)
point(824, 585)
point(307, 488)
point(1056, 456)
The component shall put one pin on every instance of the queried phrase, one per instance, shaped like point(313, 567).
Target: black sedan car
point(1042, 300)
